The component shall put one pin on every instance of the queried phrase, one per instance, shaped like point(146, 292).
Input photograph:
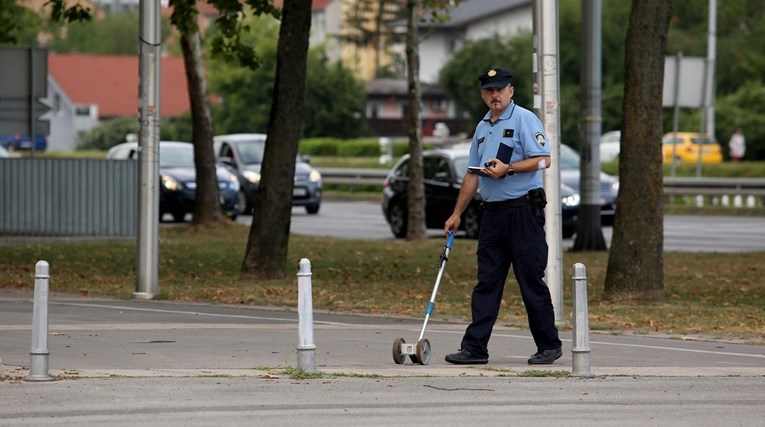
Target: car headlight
point(571, 201)
point(314, 176)
point(251, 176)
point(171, 184)
point(234, 183)
point(615, 186)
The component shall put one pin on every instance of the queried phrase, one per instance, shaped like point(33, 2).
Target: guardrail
point(673, 186)
point(353, 176)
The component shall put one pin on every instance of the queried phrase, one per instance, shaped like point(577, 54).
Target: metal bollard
point(306, 349)
point(580, 365)
point(38, 365)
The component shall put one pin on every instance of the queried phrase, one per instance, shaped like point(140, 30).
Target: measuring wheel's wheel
point(398, 357)
point(423, 352)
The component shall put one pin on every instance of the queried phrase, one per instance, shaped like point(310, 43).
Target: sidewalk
point(101, 338)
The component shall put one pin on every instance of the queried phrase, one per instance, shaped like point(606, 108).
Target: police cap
point(495, 77)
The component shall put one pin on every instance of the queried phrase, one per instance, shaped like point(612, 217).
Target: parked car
point(443, 172)
point(178, 179)
point(243, 153)
point(570, 176)
point(609, 145)
point(16, 142)
point(686, 146)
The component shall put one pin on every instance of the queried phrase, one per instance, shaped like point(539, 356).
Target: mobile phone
point(480, 170)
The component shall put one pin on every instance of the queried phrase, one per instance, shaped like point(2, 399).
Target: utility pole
point(710, 71)
point(589, 234)
point(150, 50)
point(547, 105)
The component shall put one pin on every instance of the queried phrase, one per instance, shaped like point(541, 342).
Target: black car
point(570, 176)
point(178, 179)
point(243, 153)
point(443, 171)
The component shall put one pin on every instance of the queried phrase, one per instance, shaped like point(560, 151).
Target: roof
point(468, 11)
point(111, 82)
point(315, 4)
point(398, 87)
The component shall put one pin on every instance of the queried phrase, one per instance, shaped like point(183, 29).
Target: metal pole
point(710, 70)
point(580, 360)
point(676, 116)
point(32, 102)
point(150, 40)
point(306, 349)
point(38, 365)
point(547, 79)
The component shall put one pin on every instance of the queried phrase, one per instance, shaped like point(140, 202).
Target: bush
point(359, 147)
point(108, 134)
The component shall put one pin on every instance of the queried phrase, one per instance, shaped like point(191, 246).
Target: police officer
point(507, 155)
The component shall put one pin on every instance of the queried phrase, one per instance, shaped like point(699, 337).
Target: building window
point(439, 104)
point(375, 110)
point(82, 111)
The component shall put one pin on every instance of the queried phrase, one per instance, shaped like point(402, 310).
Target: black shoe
point(546, 357)
point(464, 357)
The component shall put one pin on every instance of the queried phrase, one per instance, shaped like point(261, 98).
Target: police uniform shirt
point(519, 134)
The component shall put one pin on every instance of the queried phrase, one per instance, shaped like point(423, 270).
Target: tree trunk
point(636, 261)
point(267, 245)
point(207, 209)
point(416, 203)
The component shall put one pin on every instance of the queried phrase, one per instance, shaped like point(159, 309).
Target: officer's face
point(497, 99)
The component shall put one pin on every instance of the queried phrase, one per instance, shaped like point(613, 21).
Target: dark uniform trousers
point(511, 236)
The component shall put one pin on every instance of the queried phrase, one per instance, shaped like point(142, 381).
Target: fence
point(98, 197)
point(67, 197)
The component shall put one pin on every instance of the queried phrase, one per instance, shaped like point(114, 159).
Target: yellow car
point(686, 148)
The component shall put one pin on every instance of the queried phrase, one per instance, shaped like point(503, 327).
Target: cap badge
point(492, 73)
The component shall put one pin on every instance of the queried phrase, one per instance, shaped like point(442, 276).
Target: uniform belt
point(504, 204)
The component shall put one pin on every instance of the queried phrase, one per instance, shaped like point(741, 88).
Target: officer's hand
point(496, 169)
point(452, 224)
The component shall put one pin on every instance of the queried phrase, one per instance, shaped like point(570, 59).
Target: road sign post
point(23, 81)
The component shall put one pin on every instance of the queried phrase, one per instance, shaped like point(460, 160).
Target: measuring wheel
point(398, 356)
point(423, 352)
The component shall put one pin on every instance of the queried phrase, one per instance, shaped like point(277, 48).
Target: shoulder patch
point(540, 137)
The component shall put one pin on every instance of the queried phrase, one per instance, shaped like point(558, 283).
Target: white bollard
point(38, 365)
point(581, 333)
point(306, 349)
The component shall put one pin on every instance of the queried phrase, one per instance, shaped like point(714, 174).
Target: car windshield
point(176, 156)
point(569, 158)
point(251, 151)
point(702, 141)
point(460, 165)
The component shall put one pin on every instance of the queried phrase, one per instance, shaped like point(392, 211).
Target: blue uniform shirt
point(518, 134)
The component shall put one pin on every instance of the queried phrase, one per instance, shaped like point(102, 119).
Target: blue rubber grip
point(450, 240)
point(429, 308)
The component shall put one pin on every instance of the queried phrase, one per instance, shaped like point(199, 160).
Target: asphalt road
point(181, 364)
point(172, 364)
point(364, 220)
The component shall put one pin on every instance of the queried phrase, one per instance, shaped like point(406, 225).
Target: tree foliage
point(334, 98)
point(115, 34)
point(19, 26)
point(740, 63)
point(459, 77)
